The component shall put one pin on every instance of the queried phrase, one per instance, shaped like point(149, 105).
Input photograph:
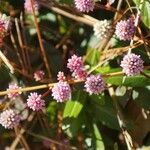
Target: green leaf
point(116, 146)
point(66, 1)
point(142, 96)
point(92, 56)
point(73, 118)
point(71, 126)
point(4, 72)
point(99, 140)
point(134, 81)
point(51, 110)
point(74, 107)
point(104, 111)
point(145, 12)
point(107, 69)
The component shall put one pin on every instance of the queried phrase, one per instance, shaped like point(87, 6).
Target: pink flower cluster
point(125, 29)
point(28, 6)
point(61, 76)
point(61, 91)
point(84, 5)
point(94, 84)
point(132, 64)
point(39, 75)
point(35, 102)
point(76, 66)
point(13, 95)
point(9, 119)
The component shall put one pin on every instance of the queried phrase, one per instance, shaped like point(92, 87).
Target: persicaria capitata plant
point(74, 74)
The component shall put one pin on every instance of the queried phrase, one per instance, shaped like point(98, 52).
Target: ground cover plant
point(75, 74)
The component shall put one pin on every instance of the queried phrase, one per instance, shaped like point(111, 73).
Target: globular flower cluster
point(125, 29)
point(76, 66)
point(61, 91)
point(61, 76)
point(80, 74)
point(75, 63)
point(13, 95)
point(132, 64)
point(94, 84)
point(28, 6)
point(39, 75)
point(9, 119)
point(102, 29)
point(84, 5)
point(35, 102)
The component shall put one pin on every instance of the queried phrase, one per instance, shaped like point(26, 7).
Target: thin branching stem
point(21, 43)
point(44, 57)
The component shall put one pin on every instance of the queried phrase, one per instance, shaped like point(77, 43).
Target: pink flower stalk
point(125, 29)
point(13, 95)
point(9, 119)
point(28, 6)
point(132, 64)
point(61, 76)
point(84, 5)
point(35, 102)
point(39, 75)
point(76, 66)
point(61, 91)
point(94, 84)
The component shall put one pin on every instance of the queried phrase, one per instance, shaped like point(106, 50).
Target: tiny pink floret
point(132, 64)
point(35, 102)
point(84, 5)
point(9, 119)
point(94, 84)
point(61, 91)
point(13, 95)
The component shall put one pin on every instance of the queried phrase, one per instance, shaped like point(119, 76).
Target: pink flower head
point(75, 63)
point(84, 5)
point(35, 102)
point(13, 95)
point(9, 119)
point(28, 6)
point(132, 64)
point(61, 91)
point(125, 29)
point(76, 66)
point(61, 76)
point(39, 75)
point(94, 84)
point(80, 74)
